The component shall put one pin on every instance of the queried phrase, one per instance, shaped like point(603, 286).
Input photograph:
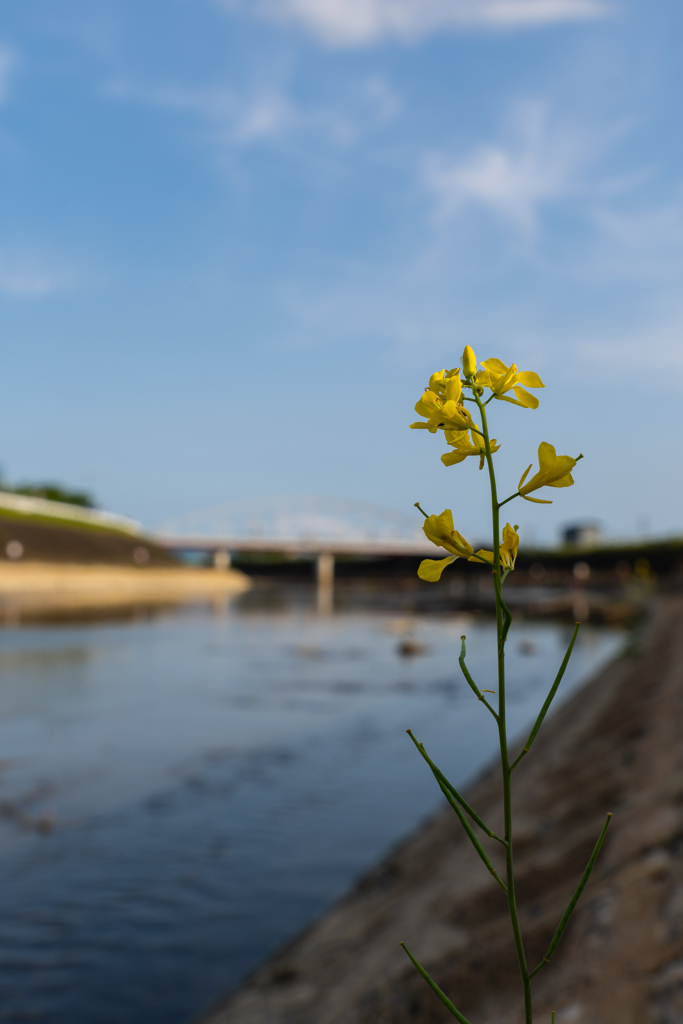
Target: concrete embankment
point(31, 588)
point(617, 745)
point(39, 538)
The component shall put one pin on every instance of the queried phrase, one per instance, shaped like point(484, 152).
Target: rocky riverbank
point(616, 746)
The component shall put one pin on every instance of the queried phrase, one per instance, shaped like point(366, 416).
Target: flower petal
point(456, 437)
point(564, 481)
point(530, 379)
point(460, 542)
point(546, 455)
point(494, 365)
point(439, 530)
point(527, 400)
point(506, 381)
point(430, 569)
point(452, 458)
point(506, 398)
point(428, 404)
point(453, 389)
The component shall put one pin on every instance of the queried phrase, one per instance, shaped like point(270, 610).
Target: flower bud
point(469, 362)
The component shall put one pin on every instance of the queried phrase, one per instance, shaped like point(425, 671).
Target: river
point(181, 793)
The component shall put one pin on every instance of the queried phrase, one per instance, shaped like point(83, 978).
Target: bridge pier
point(325, 578)
point(221, 559)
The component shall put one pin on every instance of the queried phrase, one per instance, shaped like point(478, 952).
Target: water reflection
point(180, 794)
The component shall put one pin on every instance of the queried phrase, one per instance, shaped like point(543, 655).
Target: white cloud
point(239, 118)
point(350, 23)
point(543, 164)
point(644, 244)
point(653, 342)
point(27, 275)
point(264, 116)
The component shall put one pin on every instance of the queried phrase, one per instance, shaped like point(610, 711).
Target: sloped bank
point(54, 567)
point(615, 746)
point(42, 538)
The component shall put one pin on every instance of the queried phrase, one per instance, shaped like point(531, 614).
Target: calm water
point(179, 796)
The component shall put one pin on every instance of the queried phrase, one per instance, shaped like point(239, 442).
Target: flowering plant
point(442, 407)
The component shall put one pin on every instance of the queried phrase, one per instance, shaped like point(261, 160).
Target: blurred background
point(237, 237)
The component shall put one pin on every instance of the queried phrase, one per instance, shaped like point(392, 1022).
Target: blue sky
point(238, 235)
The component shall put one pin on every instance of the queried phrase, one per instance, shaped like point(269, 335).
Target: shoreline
point(614, 746)
point(36, 587)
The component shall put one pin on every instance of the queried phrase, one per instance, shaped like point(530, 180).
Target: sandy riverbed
point(34, 586)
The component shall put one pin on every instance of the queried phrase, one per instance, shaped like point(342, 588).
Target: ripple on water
point(214, 781)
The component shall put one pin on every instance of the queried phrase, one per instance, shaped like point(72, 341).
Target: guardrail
point(293, 546)
point(30, 506)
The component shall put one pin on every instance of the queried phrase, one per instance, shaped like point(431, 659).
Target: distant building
point(581, 535)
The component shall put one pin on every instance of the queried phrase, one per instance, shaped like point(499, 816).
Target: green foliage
point(49, 490)
point(55, 492)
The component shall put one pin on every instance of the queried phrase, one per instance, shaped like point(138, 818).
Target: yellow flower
point(460, 442)
point(440, 414)
point(440, 531)
point(508, 549)
point(469, 362)
point(554, 471)
point(501, 379)
point(446, 384)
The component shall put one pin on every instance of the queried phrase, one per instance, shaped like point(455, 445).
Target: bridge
point(297, 526)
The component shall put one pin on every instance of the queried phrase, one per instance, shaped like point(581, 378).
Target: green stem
point(575, 898)
point(470, 681)
point(450, 793)
point(548, 701)
point(503, 619)
point(443, 781)
point(435, 988)
point(471, 836)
